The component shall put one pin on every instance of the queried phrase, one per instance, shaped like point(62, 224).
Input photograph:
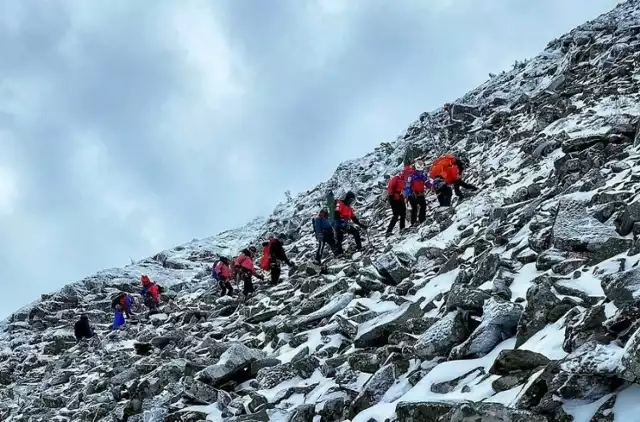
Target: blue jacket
point(118, 319)
point(415, 176)
point(320, 225)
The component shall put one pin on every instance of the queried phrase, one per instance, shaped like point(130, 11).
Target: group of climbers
point(413, 184)
point(243, 269)
point(330, 228)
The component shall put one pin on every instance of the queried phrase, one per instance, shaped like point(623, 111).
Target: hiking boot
point(388, 234)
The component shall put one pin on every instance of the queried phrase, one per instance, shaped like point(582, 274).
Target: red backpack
point(266, 257)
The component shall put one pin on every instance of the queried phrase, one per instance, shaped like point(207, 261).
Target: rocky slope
point(519, 304)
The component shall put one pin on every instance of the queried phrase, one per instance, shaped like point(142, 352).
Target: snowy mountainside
point(521, 303)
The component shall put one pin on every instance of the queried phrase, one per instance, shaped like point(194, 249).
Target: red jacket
point(446, 168)
point(344, 211)
point(243, 261)
point(154, 292)
point(395, 187)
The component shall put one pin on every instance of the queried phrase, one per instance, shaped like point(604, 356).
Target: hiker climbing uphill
point(125, 302)
point(150, 292)
point(273, 255)
point(414, 190)
point(244, 270)
point(395, 192)
point(445, 172)
point(324, 233)
point(222, 273)
point(82, 329)
point(345, 218)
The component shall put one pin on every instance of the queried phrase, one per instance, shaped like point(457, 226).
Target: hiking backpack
point(266, 257)
point(331, 206)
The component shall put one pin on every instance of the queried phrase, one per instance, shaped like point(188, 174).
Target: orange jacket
point(446, 168)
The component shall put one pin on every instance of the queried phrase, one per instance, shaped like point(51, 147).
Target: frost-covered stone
point(499, 322)
point(509, 361)
point(391, 268)
point(335, 305)
point(375, 388)
point(372, 332)
point(623, 288)
point(237, 358)
point(443, 336)
point(575, 230)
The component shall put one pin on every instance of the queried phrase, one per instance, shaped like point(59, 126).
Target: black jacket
point(277, 252)
point(82, 329)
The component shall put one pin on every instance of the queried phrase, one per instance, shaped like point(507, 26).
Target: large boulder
point(509, 361)
point(623, 288)
point(421, 411)
point(466, 298)
point(391, 268)
point(234, 362)
point(629, 368)
point(541, 301)
point(490, 412)
point(374, 389)
point(575, 229)
point(499, 322)
point(444, 335)
point(375, 332)
point(335, 305)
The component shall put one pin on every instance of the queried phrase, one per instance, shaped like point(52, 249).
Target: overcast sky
point(128, 127)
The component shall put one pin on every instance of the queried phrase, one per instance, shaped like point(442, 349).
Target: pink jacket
point(223, 271)
point(245, 262)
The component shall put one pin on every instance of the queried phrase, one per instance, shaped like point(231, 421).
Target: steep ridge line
point(519, 304)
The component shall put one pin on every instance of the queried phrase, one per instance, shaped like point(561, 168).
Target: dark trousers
point(149, 302)
point(444, 195)
point(327, 239)
point(399, 210)
point(276, 269)
point(245, 277)
point(225, 287)
point(418, 208)
point(341, 231)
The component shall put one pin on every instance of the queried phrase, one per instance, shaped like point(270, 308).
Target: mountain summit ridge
point(518, 304)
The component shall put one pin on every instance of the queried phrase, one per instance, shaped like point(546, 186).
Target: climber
point(396, 200)
point(150, 292)
point(273, 255)
point(222, 273)
point(125, 301)
point(445, 171)
point(82, 329)
point(324, 233)
point(414, 190)
point(244, 270)
point(118, 317)
point(343, 224)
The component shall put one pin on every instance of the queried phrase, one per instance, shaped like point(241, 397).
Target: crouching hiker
point(273, 255)
point(445, 172)
point(125, 302)
point(82, 329)
point(324, 233)
point(222, 273)
point(244, 270)
point(150, 293)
